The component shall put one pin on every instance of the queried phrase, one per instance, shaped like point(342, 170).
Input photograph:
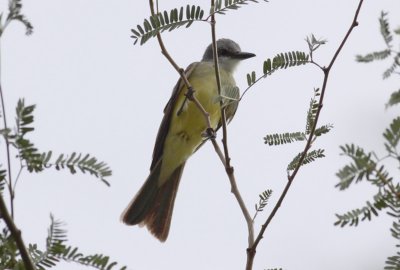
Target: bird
point(182, 133)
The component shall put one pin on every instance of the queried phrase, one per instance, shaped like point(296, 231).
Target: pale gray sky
point(97, 93)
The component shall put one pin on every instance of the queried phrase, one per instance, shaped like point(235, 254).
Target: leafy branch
point(362, 166)
point(367, 166)
point(56, 250)
point(353, 217)
point(263, 202)
point(36, 161)
point(184, 16)
point(14, 14)
point(284, 138)
point(252, 250)
point(279, 61)
point(314, 44)
point(386, 52)
point(394, 99)
point(392, 137)
point(160, 22)
point(13, 252)
point(218, 8)
point(308, 158)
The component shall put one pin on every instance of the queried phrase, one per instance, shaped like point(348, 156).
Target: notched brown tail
point(153, 205)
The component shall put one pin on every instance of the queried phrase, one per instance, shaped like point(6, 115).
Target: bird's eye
point(222, 52)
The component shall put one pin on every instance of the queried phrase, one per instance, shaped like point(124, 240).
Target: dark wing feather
point(164, 127)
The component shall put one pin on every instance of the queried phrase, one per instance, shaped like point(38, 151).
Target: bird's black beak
point(243, 55)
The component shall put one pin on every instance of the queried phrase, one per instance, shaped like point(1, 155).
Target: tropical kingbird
point(181, 133)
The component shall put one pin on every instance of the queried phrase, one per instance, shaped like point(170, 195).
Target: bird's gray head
point(229, 53)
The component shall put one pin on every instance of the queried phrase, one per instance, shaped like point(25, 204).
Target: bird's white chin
point(228, 64)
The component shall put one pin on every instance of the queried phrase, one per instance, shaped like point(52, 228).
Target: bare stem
point(252, 250)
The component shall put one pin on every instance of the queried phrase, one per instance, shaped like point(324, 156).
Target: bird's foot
point(209, 133)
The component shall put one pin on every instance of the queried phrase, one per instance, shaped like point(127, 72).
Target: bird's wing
point(231, 104)
point(164, 127)
point(230, 109)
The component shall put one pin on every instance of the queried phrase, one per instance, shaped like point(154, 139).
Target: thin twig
point(17, 178)
point(269, 74)
point(9, 182)
point(228, 167)
point(252, 251)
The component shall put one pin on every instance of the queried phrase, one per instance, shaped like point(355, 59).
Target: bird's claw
point(209, 133)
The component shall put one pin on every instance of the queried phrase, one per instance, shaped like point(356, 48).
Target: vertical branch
point(4, 214)
point(16, 234)
point(252, 250)
point(228, 167)
point(7, 143)
point(3, 110)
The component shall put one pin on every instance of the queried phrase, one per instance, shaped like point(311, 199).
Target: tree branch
point(252, 250)
point(16, 234)
point(228, 167)
point(7, 143)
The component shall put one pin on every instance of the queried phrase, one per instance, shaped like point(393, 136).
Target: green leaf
point(396, 63)
point(353, 217)
point(249, 79)
point(310, 157)
point(314, 43)
point(140, 29)
point(394, 99)
point(3, 175)
point(181, 14)
point(230, 5)
point(392, 136)
point(57, 250)
point(14, 13)
point(312, 111)
point(167, 21)
point(253, 76)
point(362, 166)
point(267, 67)
point(85, 163)
point(263, 202)
point(36, 161)
point(136, 33)
point(188, 13)
point(384, 27)
point(323, 130)
point(280, 61)
point(198, 10)
point(284, 138)
point(380, 55)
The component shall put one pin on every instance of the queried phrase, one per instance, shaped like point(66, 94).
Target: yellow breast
point(187, 122)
